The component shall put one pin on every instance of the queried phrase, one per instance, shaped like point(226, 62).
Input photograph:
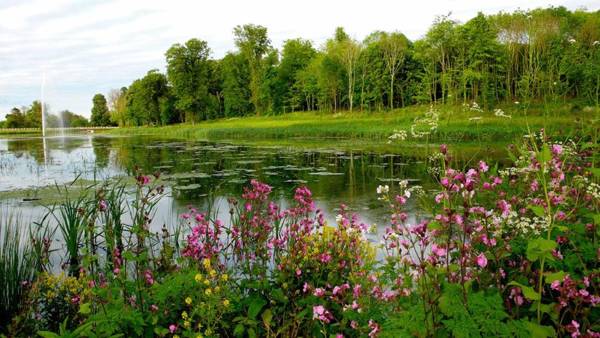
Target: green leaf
point(544, 155)
point(255, 306)
point(537, 210)
point(48, 334)
point(84, 308)
point(251, 333)
point(434, 225)
point(528, 291)
point(539, 331)
point(554, 276)
point(595, 171)
point(540, 248)
point(267, 316)
point(239, 330)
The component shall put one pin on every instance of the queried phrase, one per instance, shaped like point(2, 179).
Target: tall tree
point(117, 103)
point(254, 45)
point(347, 51)
point(149, 101)
point(188, 72)
point(394, 46)
point(296, 56)
point(100, 116)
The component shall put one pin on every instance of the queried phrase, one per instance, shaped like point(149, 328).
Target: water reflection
point(195, 170)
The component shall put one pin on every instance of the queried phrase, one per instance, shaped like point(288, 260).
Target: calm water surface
point(197, 172)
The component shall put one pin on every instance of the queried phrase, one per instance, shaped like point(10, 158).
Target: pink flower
point(482, 260)
point(319, 292)
point(557, 149)
point(438, 251)
point(320, 313)
point(374, 328)
point(443, 149)
point(143, 179)
point(305, 287)
point(172, 328)
point(483, 166)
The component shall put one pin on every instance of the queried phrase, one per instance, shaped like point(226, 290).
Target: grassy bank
point(455, 124)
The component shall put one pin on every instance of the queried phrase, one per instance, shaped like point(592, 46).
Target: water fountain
point(42, 103)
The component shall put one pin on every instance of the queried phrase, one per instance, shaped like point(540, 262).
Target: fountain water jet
point(42, 105)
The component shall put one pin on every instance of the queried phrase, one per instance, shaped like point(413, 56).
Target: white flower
point(501, 113)
point(338, 218)
point(383, 189)
point(571, 40)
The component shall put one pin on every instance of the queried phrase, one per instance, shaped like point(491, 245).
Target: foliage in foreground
point(506, 252)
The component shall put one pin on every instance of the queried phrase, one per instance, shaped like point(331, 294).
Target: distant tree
point(347, 51)
point(15, 119)
point(70, 119)
point(296, 56)
point(116, 105)
point(100, 116)
point(188, 71)
point(149, 101)
point(254, 45)
point(33, 115)
point(236, 85)
point(394, 47)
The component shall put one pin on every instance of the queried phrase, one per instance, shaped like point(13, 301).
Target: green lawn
point(456, 124)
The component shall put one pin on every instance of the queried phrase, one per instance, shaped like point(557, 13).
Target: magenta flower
point(483, 167)
point(320, 313)
point(319, 292)
point(482, 260)
point(557, 149)
point(438, 251)
point(172, 328)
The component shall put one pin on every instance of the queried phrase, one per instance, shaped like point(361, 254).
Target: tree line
point(548, 55)
point(31, 117)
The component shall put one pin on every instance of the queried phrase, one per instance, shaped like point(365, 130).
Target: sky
point(80, 48)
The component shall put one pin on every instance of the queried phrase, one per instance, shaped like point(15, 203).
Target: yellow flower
point(184, 315)
point(213, 273)
point(188, 300)
point(224, 277)
point(206, 263)
point(175, 336)
point(208, 332)
point(198, 278)
point(208, 292)
point(186, 324)
point(226, 302)
point(206, 282)
point(217, 288)
point(199, 335)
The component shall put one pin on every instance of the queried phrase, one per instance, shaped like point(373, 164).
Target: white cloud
point(85, 47)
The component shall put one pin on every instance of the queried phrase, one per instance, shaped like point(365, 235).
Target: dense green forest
point(542, 55)
point(548, 54)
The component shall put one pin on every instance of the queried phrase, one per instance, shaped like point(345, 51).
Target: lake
point(199, 173)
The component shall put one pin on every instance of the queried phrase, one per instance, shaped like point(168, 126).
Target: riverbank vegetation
point(458, 124)
point(499, 251)
point(542, 56)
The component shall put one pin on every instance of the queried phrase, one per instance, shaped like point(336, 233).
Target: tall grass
point(18, 264)
point(458, 125)
point(71, 219)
